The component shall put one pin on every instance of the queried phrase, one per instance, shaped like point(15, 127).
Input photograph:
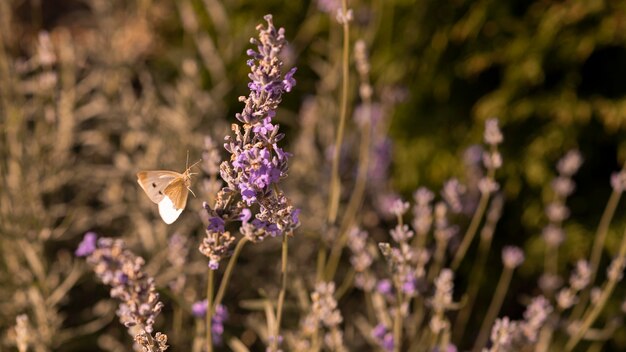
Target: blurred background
point(92, 91)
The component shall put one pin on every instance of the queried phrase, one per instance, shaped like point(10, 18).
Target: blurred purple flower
point(199, 308)
point(384, 286)
point(384, 337)
point(217, 323)
point(87, 245)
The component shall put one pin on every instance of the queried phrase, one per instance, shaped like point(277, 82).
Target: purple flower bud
point(289, 82)
point(384, 286)
point(295, 216)
point(245, 215)
point(87, 245)
point(388, 343)
point(492, 136)
point(216, 224)
point(570, 163)
point(217, 323)
point(379, 331)
point(409, 286)
point(199, 309)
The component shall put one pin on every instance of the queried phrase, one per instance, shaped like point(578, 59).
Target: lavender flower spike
point(267, 82)
point(256, 163)
point(119, 268)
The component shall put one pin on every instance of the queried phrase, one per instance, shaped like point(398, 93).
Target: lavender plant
point(119, 268)
point(252, 173)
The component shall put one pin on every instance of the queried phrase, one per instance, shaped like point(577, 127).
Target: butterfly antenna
point(187, 162)
point(194, 164)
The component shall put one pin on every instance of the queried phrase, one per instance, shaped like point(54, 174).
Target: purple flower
point(289, 82)
point(256, 163)
point(217, 323)
point(384, 286)
point(245, 215)
point(199, 308)
point(409, 286)
point(388, 343)
point(384, 337)
point(216, 224)
point(214, 264)
point(119, 268)
point(379, 331)
point(264, 127)
point(295, 216)
point(87, 245)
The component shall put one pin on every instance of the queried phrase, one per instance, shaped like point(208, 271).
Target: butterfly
point(168, 189)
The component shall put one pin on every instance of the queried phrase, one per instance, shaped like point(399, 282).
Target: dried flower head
point(535, 316)
point(422, 211)
point(581, 276)
point(512, 257)
point(451, 193)
point(502, 334)
point(618, 181)
point(570, 163)
point(492, 135)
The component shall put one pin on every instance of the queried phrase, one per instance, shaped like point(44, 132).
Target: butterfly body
point(168, 189)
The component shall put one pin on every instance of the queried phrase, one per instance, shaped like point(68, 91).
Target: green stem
point(335, 182)
point(471, 230)
point(596, 309)
point(476, 277)
point(346, 285)
point(397, 324)
point(178, 323)
point(598, 245)
point(494, 308)
point(227, 273)
point(209, 314)
point(354, 204)
point(283, 290)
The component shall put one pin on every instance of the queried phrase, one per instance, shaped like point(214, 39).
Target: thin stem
point(445, 339)
point(346, 285)
point(416, 322)
point(440, 253)
point(209, 314)
point(552, 259)
point(471, 230)
point(598, 245)
point(596, 309)
point(178, 323)
point(227, 273)
point(321, 260)
point(603, 229)
point(335, 182)
point(397, 324)
point(494, 308)
point(283, 290)
point(356, 199)
point(476, 277)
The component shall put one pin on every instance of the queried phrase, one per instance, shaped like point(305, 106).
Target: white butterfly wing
point(155, 182)
point(168, 211)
